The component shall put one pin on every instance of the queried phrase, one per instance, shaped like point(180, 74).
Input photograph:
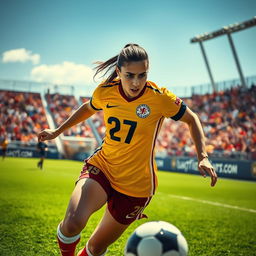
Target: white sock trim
point(65, 239)
point(89, 253)
point(87, 250)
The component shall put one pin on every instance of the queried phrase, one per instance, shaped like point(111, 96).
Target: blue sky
point(58, 41)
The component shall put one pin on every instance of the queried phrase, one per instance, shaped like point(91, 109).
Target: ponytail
point(131, 52)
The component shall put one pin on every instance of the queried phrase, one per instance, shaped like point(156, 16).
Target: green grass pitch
point(215, 221)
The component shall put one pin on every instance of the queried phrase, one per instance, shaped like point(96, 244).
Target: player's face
point(133, 76)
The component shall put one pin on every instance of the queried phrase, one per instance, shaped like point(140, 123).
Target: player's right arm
point(81, 114)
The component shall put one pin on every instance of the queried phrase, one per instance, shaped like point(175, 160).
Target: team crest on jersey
point(143, 111)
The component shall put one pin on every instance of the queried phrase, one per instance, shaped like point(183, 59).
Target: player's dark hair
point(131, 52)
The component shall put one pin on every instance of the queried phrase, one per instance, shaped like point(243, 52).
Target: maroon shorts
point(124, 209)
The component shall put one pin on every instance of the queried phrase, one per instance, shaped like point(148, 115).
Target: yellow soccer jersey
point(5, 143)
point(127, 154)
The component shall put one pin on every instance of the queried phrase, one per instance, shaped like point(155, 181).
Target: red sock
point(82, 253)
point(68, 249)
point(86, 252)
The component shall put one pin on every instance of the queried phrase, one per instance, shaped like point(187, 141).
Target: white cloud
point(65, 73)
point(20, 55)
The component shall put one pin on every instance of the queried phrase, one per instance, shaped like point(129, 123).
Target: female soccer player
point(122, 172)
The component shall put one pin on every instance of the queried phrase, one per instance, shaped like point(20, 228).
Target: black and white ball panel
point(157, 238)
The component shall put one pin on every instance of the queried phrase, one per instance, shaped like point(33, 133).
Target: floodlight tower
point(207, 66)
point(227, 30)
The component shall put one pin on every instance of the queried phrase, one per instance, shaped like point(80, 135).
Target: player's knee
point(72, 226)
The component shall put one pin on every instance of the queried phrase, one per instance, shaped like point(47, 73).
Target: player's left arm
point(198, 137)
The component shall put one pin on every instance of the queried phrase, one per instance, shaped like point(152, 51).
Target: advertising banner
point(237, 169)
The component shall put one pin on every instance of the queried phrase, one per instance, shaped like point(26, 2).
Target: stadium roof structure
point(226, 30)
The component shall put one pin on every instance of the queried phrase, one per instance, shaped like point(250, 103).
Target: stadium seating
point(228, 118)
point(174, 140)
point(22, 116)
point(97, 119)
point(61, 106)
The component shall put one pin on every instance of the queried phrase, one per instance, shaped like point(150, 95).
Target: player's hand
point(204, 166)
point(47, 134)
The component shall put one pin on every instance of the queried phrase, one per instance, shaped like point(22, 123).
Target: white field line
point(209, 202)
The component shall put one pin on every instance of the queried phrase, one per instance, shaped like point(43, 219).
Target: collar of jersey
point(130, 99)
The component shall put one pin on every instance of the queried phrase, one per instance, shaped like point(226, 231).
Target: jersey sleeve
point(172, 106)
point(96, 99)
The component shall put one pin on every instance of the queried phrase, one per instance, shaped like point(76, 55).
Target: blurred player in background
point(42, 148)
point(4, 145)
point(122, 172)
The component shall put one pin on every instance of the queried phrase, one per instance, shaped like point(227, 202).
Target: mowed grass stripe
point(210, 202)
point(226, 191)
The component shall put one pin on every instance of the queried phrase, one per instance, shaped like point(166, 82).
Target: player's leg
point(87, 197)
point(41, 162)
point(107, 232)
point(122, 210)
point(4, 153)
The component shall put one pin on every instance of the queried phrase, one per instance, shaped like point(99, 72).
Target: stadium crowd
point(229, 121)
point(22, 116)
point(61, 107)
point(97, 119)
point(228, 117)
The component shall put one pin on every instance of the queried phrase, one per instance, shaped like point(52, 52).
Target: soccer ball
point(156, 238)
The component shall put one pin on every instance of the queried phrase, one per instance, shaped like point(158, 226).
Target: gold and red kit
point(127, 154)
